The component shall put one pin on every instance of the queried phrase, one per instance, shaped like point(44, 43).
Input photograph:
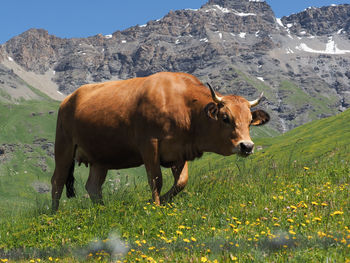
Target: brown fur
point(160, 120)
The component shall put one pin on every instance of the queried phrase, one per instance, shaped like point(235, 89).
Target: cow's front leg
point(150, 155)
point(180, 173)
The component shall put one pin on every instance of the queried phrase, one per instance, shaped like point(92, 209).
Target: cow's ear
point(260, 117)
point(212, 110)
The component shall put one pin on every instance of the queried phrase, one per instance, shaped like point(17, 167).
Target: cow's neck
point(199, 124)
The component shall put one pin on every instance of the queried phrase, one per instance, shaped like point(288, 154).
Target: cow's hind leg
point(63, 174)
point(180, 173)
point(94, 183)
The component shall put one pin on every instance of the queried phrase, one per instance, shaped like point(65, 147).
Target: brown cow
point(165, 119)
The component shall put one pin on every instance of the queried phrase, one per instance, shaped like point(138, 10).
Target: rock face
point(34, 50)
point(320, 21)
point(301, 62)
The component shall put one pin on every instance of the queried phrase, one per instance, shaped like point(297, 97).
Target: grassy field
point(22, 163)
point(288, 202)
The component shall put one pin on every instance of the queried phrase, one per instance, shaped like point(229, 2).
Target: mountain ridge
point(238, 46)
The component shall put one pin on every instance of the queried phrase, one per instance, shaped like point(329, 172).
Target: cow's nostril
point(246, 147)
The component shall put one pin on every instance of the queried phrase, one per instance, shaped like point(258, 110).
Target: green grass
point(21, 168)
point(297, 215)
point(294, 95)
point(17, 123)
point(313, 140)
point(287, 202)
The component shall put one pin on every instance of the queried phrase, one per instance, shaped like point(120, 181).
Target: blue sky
point(82, 18)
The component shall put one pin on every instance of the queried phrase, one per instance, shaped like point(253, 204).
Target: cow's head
point(230, 118)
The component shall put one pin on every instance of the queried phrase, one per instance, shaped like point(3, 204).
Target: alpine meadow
point(286, 202)
point(289, 201)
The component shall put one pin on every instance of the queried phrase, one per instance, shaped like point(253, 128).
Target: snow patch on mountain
point(331, 48)
point(279, 22)
point(242, 35)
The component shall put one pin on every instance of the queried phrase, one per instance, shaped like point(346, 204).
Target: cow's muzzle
point(246, 148)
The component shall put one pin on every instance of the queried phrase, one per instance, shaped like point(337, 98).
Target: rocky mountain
point(301, 62)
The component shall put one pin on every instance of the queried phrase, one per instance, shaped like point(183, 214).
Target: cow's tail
point(70, 191)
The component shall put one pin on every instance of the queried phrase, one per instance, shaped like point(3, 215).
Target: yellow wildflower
point(292, 232)
point(321, 234)
point(337, 213)
point(204, 259)
point(233, 258)
point(179, 232)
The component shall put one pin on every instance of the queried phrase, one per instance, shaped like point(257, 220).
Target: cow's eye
point(225, 119)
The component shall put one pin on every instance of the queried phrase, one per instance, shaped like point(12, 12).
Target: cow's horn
point(215, 97)
point(257, 101)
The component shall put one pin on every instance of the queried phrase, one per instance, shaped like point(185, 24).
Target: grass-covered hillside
point(27, 131)
point(287, 202)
